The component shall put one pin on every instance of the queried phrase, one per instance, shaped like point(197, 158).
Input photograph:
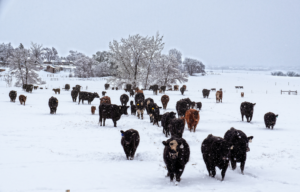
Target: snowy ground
point(69, 150)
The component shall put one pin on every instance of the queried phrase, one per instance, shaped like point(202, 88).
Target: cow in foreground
point(240, 142)
point(166, 120)
point(12, 95)
point(176, 155)
point(270, 120)
point(113, 112)
point(53, 104)
point(130, 142)
point(192, 118)
point(216, 153)
point(22, 99)
point(247, 110)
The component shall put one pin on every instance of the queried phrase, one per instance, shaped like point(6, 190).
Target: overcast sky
point(229, 32)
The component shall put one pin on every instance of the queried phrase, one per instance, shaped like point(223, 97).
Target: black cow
point(182, 106)
point(270, 120)
point(67, 87)
point(240, 142)
point(103, 93)
point(182, 89)
point(139, 97)
point(133, 109)
point(130, 142)
point(216, 153)
point(247, 110)
point(163, 89)
point(131, 103)
point(109, 111)
point(199, 105)
point(157, 118)
point(106, 86)
point(190, 103)
point(176, 127)
point(124, 99)
point(165, 121)
point(53, 103)
point(131, 93)
point(205, 93)
point(24, 86)
point(117, 88)
point(87, 96)
point(74, 94)
point(147, 102)
point(140, 107)
point(12, 95)
point(153, 109)
point(154, 88)
point(128, 87)
point(176, 156)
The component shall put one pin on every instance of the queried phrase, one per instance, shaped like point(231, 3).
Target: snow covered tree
point(102, 69)
point(51, 54)
point(72, 56)
point(177, 54)
point(84, 66)
point(167, 72)
point(22, 65)
point(106, 57)
point(193, 66)
point(37, 52)
point(6, 51)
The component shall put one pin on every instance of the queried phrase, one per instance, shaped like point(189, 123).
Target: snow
point(69, 150)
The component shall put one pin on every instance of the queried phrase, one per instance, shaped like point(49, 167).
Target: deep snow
point(69, 150)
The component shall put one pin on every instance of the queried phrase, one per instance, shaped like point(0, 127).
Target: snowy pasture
point(69, 150)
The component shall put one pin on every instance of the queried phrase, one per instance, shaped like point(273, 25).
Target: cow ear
point(127, 107)
point(122, 132)
point(250, 139)
point(164, 143)
point(276, 116)
point(159, 107)
point(254, 104)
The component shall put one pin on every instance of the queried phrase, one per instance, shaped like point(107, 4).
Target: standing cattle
point(12, 95)
point(131, 93)
point(192, 118)
point(103, 93)
point(130, 142)
point(165, 100)
point(163, 89)
point(128, 87)
point(166, 120)
point(182, 106)
point(205, 93)
point(67, 87)
point(219, 96)
point(93, 109)
point(105, 100)
point(154, 88)
point(133, 109)
point(176, 156)
point(56, 90)
point(106, 86)
point(247, 110)
point(240, 142)
point(140, 104)
point(53, 103)
point(87, 96)
point(22, 99)
point(182, 90)
point(124, 99)
point(35, 87)
point(193, 105)
point(153, 111)
point(216, 153)
point(112, 88)
point(74, 94)
point(242, 94)
point(117, 88)
point(176, 87)
point(176, 127)
point(270, 120)
point(184, 86)
point(29, 88)
point(114, 112)
point(199, 105)
point(147, 102)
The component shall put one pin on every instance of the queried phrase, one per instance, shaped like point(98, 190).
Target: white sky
point(231, 32)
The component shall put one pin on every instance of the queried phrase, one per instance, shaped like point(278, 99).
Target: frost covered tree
point(72, 56)
point(167, 71)
point(22, 66)
point(51, 54)
point(102, 69)
point(37, 52)
point(107, 58)
point(6, 51)
point(177, 54)
point(84, 66)
point(193, 66)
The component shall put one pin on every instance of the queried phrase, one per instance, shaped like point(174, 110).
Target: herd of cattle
point(216, 151)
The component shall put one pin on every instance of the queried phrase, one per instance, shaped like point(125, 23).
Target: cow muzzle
point(173, 155)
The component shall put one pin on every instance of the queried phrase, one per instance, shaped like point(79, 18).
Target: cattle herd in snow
point(216, 151)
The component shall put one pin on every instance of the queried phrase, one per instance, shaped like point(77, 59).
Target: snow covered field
point(69, 150)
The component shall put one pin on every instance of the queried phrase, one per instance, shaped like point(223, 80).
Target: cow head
point(173, 146)
point(128, 137)
point(123, 109)
point(223, 148)
point(96, 95)
point(195, 114)
point(172, 115)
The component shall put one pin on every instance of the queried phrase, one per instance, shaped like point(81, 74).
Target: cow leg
point(179, 173)
point(213, 171)
point(242, 117)
point(251, 118)
point(171, 177)
point(115, 123)
point(142, 113)
point(104, 121)
point(100, 120)
point(233, 164)
point(78, 100)
point(224, 171)
point(138, 114)
point(242, 166)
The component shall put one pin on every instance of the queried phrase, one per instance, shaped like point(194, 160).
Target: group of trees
point(289, 74)
point(136, 60)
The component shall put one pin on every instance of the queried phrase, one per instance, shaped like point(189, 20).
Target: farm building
point(52, 69)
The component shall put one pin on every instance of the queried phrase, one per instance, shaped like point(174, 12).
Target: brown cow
point(56, 91)
point(105, 99)
point(184, 86)
point(93, 109)
point(22, 99)
point(140, 91)
point(219, 96)
point(242, 94)
point(176, 87)
point(192, 118)
point(136, 89)
point(165, 100)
